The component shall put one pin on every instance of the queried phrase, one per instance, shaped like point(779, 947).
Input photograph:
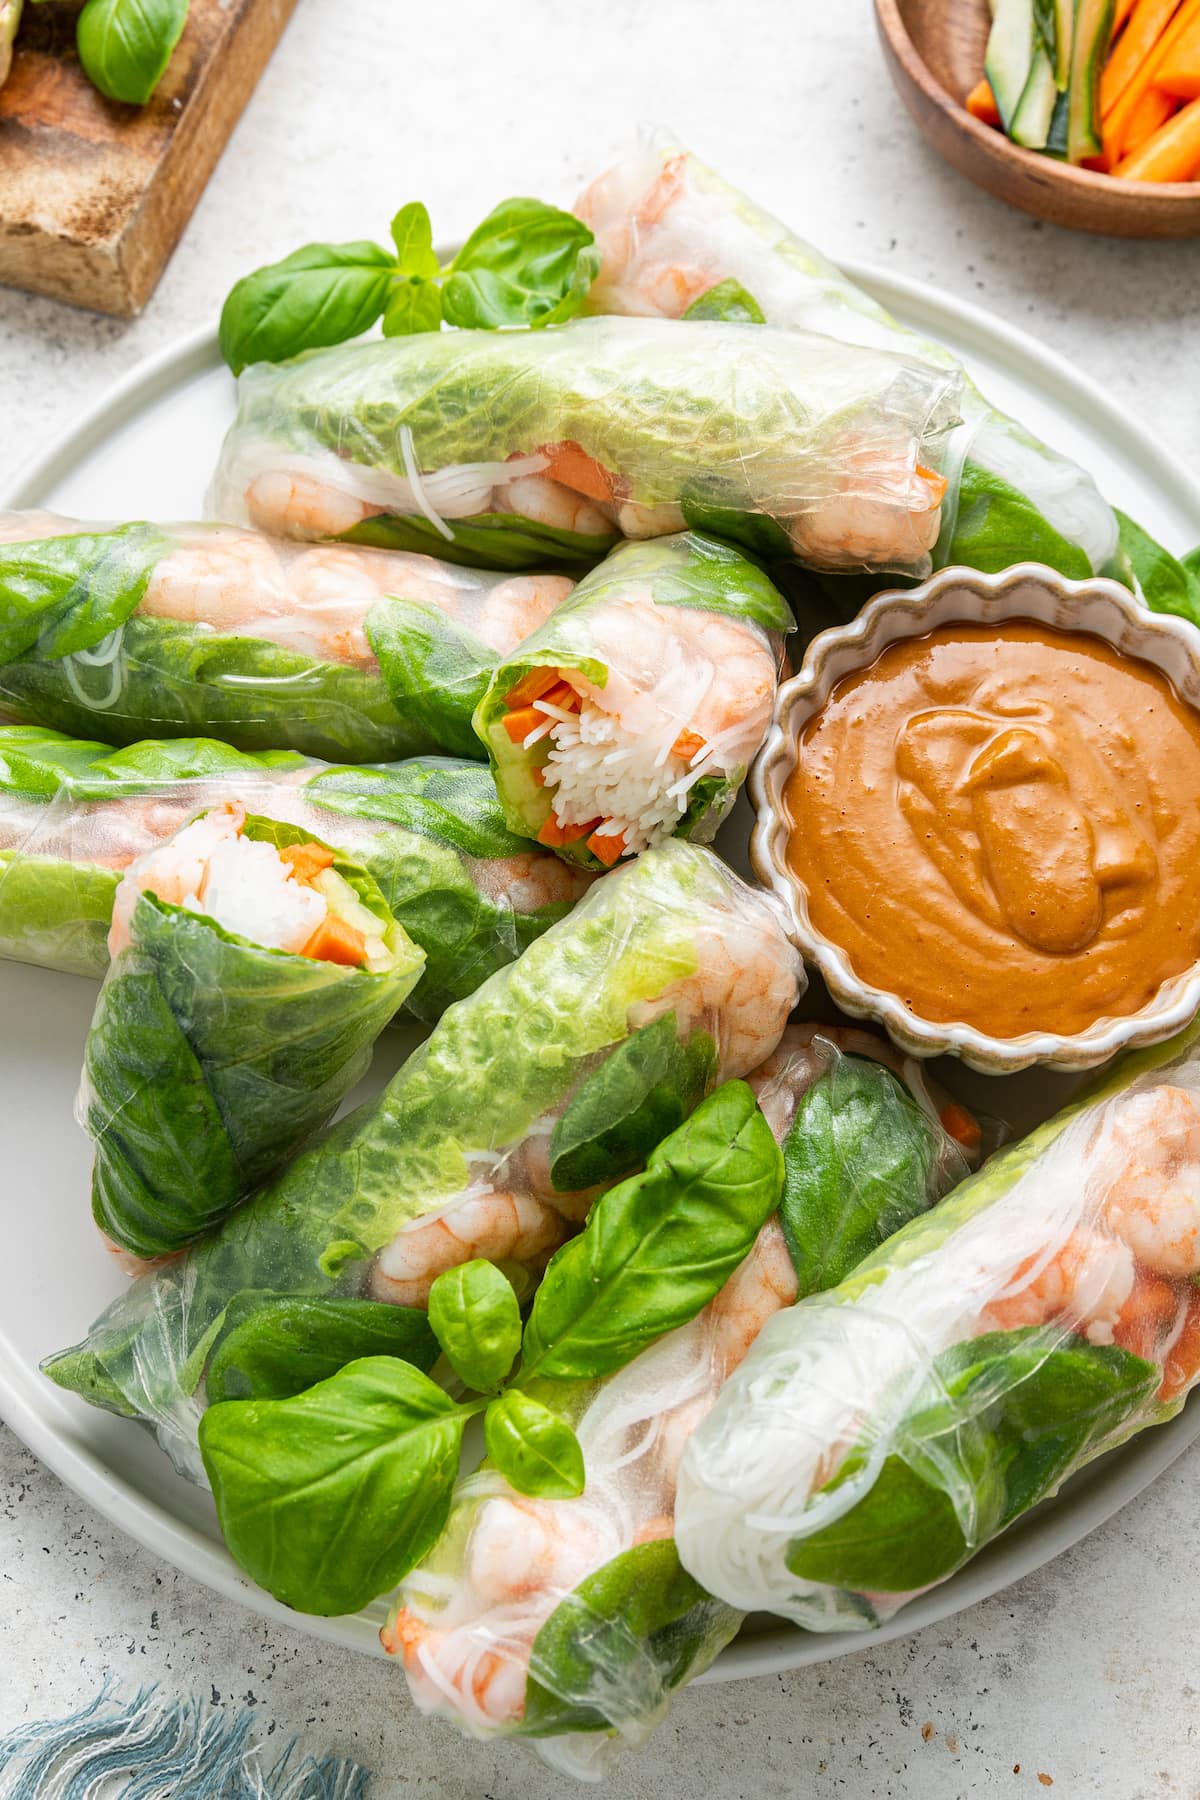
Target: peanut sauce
point(1001, 825)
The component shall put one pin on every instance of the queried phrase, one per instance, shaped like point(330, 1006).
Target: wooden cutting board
point(94, 195)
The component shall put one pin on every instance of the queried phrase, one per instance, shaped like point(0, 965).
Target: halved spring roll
point(635, 712)
point(678, 241)
point(553, 1080)
point(252, 969)
point(877, 1436)
point(519, 448)
point(571, 1622)
point(164, 630)
point(74, 815)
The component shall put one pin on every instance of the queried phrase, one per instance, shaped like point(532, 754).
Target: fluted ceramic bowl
point(1029, 592)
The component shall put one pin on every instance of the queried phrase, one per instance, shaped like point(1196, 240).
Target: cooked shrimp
point(1083, 1286)
point(484, 1222)
point(747, 980)
point(529, 882)
point(301, 506)
point(522, 1547)
point(627, 209)
point(219, 578)
point(549, 503)
point(856, 526)
point(515, 609)
point(483, 1677)
point(634, 521)
point(759, 1288)
point(174, 871)
point(1153, 1203)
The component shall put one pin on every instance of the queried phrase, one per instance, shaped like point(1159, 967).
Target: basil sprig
point(526, 264)
point(125, 45)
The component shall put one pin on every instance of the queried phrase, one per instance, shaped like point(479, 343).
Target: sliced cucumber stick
point(1035, 109)
point(1010, 55)
point(1089, 47)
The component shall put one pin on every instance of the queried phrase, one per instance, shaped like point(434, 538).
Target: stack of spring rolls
point(441, 715)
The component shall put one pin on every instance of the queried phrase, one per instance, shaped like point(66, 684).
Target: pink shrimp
point(300, 506)
point(495, 1223)
point(1084, 1286)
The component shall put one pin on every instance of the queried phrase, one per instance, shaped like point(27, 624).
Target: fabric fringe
point(152, 1749)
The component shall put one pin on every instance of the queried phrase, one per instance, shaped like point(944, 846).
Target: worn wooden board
point(94, 195)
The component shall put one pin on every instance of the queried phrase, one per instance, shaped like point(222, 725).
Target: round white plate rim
point(775, 1649)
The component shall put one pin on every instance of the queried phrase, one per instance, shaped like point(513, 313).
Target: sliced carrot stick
point(554, 835)
point(1121, 12)
point(563, 696)
point(537, 775)
point(687, 745)
point(306, 860)
point(1117, 122)
point(609, 849)
point(981, 103)
point(531, 687)
point(1152, 111)
point(1183, 1358)
point(337, 942)
point(520, 723)
point(935, 482)
point(1150, 19)
point(1179, 72)
point(961, 1125)
point(570, 463)
point(1172, 154)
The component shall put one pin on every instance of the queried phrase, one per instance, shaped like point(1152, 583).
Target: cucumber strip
point(1009, 58)
point(1035, 109)
point(1064, 37)
point(1089, 47)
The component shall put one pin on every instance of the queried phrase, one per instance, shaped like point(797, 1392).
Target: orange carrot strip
point(687, 745)
point(1183, 1358)
point(961, 1125)
point(608, 848)
point(570, 463)
point(564, 696)
point(1179, 71)
point(1150, 19)
point(981, 103)
point(306, 860)
point(531, 687)
point(1172, 154)
point(1117, 122)
point(537, 775)
point(1152, 111)
point(520, 723)
point(554, 835)
point(337, 942)
point(1121, 12)
point(933, 480)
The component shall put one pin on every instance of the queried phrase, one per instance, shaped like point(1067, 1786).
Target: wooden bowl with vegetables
point(1083, 112)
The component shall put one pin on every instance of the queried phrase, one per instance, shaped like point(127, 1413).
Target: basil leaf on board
point(274, 1346)
point(125, 45)
point(413, 305)
point(658, 1247)
point(640, 1623)
point(730, 301)
point(642, 1092)
point(536, 1452)
point(475, 1317)
point(412, 235)
point(1168, 584)
point(858, 1162)
point(1013, 1418)
point(526, 264)
point(327, 1499)
point(321, 294)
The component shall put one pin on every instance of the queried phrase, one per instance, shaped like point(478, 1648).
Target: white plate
point(147, 451)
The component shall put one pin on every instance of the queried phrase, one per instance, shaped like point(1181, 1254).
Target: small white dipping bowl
point(1101, 609)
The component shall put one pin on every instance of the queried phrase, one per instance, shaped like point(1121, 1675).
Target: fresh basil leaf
point(59, 595)
point(536, 1452)
point(321, 294)
point(526, 264)
point(475, 1317)
point(274, 1346)
point(658, 1247)
point(859, 1161)
point(329, 1498)
point(412, 306)
point(997, 525)
point(1010, 1420)
point(412, 235)
point(728, 300)
point(638, 1624)
point(1167, 583)
point(125, 45)
point(639, 1094)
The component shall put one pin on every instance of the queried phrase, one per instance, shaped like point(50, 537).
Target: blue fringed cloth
point(149, 1748)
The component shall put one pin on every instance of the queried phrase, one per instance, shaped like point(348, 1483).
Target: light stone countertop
point(1084, 1676)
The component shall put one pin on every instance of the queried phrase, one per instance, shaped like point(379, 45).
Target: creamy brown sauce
point(1001, 825)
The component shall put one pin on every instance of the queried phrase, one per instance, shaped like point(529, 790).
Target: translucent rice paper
point(74, 814)
point(670, 230)
point(213, 1057)
point(519, 448)
point(571, 1621)
point(672, 651)
point(356, 655)
point(456, 1158)
point(1042, 1314)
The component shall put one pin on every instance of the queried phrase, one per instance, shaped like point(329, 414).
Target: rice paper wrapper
point(672, 232)
point(516, 448)
point(551, 1081)
point(878, 1435)
point(672, 650)
point(358, 655)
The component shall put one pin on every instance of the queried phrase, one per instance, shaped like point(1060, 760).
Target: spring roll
point(571, 1622)
point(515, 448)
point(675, 237)
point(877, 1436)
point(252, 969)
point(141, 630)
point(550, 1082)
point(635, 712)
point(73, 816)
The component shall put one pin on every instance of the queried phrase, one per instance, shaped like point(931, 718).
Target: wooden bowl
point(934, 51)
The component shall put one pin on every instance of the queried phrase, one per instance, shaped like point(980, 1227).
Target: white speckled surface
point(1084, 1674)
